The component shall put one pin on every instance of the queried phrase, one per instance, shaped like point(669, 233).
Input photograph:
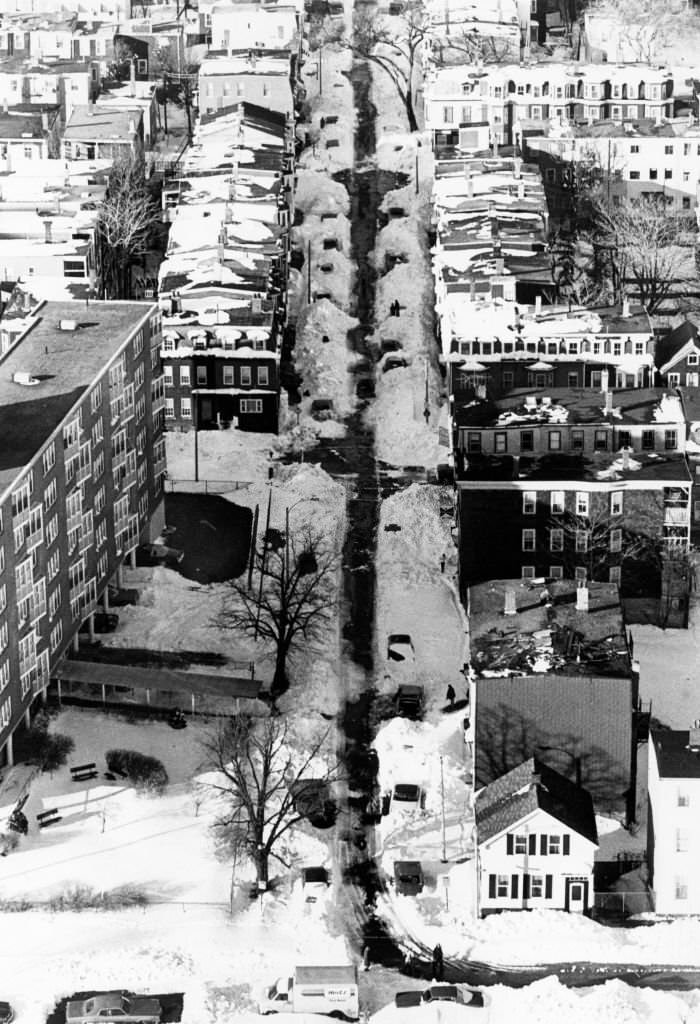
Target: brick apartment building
point(81, 479)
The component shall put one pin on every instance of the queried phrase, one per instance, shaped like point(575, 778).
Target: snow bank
point(224, 455)
point(402, 437)
point(317, 194)
point(337, 102)
point(324, 365)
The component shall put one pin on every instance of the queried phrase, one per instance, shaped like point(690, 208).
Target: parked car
point(6, 1012)
point(408, 877)
point(315, 883)
point(322, 408)
point(314, 801)
point(407, 797)
point(410, 700)
point(399, 648)
point(121, 1006)
point(453, 994)
point(393, 362)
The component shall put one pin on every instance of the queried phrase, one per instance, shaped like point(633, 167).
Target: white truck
point(331, 991)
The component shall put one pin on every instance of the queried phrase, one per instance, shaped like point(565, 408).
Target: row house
point(249, 26)
point(552, 678)
point(673, 836)
point(577, 485)
point(265, 78)
point(49, 245)
point(536, 839)
point(505, 96)
point(223, 282)
point(81, 484)
point(103, 10)
point(27, 135)
point(639, 159)
point(65, 84)
point(490, 231)
point(103, 133)
point(516, 346)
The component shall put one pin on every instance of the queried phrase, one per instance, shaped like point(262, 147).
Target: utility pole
point(196, 438)
point(264, 561)
point(320, 70)
point(253, 545)
point(308, 274)
point(442, 803)
point(417, 182)
point(165, 102)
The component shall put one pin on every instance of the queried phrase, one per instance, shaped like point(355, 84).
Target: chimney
point(470, 186)
point(509, 607)
point(604, 381)
point(517, 164)
point(500, 265)
point(625, 453)
point(48, 235)
point(582, 598)
point(608, 403)
point(44, 120)
point(694, 736)
point(494, 146)
point(256, 304)
point(132, 126)
point(521, 189)
point(538, 305)
point(625, 308)
point(132, 77)
point(252, 59)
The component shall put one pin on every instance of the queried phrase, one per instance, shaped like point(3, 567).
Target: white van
point(332, 991)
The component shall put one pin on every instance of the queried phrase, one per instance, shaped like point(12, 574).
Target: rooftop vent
point(25, 379)
point(694, 736)
point(68, 325)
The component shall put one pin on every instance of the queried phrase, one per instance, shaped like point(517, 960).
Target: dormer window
point(693, 358)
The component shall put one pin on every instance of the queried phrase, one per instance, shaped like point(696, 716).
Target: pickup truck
point(121, 1006)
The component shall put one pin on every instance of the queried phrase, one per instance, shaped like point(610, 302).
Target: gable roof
point(669, 349)
point(533, 786)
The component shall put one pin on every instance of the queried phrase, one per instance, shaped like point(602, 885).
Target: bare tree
point(647, 27)
point(125, 221)
point(462, 45)
point(263, 783)
point(291, 601)
point(394, 46)
point(637, 243)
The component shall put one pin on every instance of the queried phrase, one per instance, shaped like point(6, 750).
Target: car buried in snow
point(6, 1012)
point(400, 652)
point(120, 1006)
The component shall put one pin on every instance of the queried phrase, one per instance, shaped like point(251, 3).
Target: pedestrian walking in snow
point(451, 694)
point(366, 962)
point(438, 966)
point(426, 415)
point(442, 563)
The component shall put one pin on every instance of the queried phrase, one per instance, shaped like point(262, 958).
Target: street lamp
point(576, 758)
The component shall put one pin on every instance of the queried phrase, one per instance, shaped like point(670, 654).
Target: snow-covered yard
point(668, 676)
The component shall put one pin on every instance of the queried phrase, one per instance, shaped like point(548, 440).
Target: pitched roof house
point(535, 836)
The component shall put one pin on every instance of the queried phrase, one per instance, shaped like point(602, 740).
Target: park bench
point(83, 772)
point(48, 817)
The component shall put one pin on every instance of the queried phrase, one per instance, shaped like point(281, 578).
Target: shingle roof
point(667, 347)
point(532, 786)
point(673, 755)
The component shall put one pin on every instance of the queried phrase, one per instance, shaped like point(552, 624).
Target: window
point(615, 575)
point(529, 503)
point(520, 844)
point(681, 886)
point(527, 572)
point(228, 375)
point(670, 440)
point(98, 466)
point(554, 440)
point(528, 540)
point(616, 540)
point(668, 150)
point(5, 713)
point(527, 440)
point(139, 376)
point(473, 442)
point(577, 440)
point(168, 376)
point(448, 115)
point(138, 343)
point(4, 675)
point(53, 565)
point(554, 844)
point(184, 376)
point(536, 886)
point(56, 636)
point(616, 503)
point(653, 174)
point(648, 441)
point(246, 376)
point(170, 408)
point(582, 499)
point(683, 798)
point(685, 202)
point(600, 440)
point(556, 572)
point(581, 541)
point(550, 175)
point(681, 840)
point(48, 459)
point(634, 175)
point(251, 405)
point(99, 501)
point(96, 398)
point(186, 408)
point(51, 530)
point(502, 883)
point(692, 359)
point(101, 535)
point(557, 502)
point(580, 574)
point(624, 439)
point(500, 440)
point(50, 495)
point(97, 434)
point(668, 173)
point(202, 376)
point(263, 376)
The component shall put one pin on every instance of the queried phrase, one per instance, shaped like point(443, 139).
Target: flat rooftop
point(65, 363)
point(674, 756)
point(523, 407)
point(547, 638)
point(656, 468)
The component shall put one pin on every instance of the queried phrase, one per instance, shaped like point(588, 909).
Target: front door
point(576, 895)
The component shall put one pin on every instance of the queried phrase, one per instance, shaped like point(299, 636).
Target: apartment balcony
point(679, 516)
point(84, 468)
point(129, 404)
point(128, 537)
point(157, 394)
point(23, 591)
point(88, 598)
point(74, 522)
point(115, 409)
point(159, 467)
point(71, 450)
point(27, 680)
